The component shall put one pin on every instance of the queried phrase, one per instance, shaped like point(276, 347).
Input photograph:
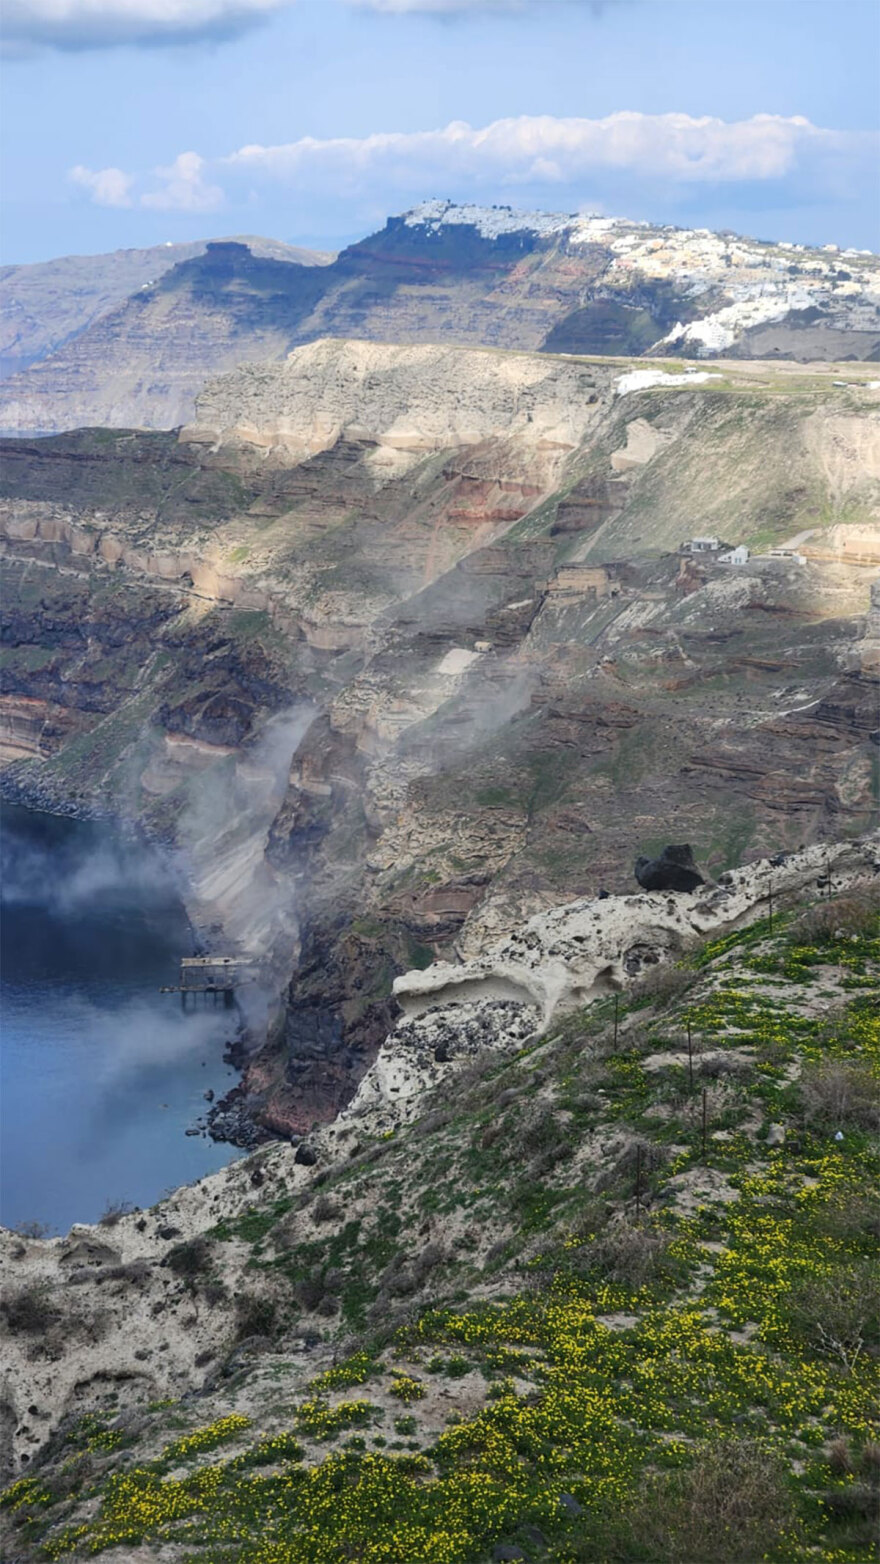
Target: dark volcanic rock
point(674, 870)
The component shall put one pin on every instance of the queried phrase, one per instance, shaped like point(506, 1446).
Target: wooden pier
point(217, 975)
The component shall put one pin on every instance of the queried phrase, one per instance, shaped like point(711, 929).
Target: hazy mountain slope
point(459, 275)
point(143, 362)
point(43, 305)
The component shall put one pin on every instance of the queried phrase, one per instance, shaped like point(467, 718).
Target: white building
point(701, 546)
point(735, 556)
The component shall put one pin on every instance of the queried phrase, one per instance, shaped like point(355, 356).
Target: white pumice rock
point(420, 1052)
point(569, 957)
point(589, 948)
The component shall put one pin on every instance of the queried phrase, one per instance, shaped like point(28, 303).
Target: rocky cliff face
point(407, 401)
point(438, 274)
point(398, 647)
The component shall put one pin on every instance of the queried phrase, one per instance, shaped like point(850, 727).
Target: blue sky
point(131, 122)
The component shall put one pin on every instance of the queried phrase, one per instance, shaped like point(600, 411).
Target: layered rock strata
point(441, 273)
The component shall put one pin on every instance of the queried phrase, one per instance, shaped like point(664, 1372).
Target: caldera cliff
point(398, 646)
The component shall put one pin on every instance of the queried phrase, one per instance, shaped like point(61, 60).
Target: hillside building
point(701, 546)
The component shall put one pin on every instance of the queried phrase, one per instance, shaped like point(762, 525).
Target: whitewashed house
point(701, 546)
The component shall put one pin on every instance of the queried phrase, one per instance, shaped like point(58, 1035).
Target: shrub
point(856, 1507)
point(31, 1311)
point(838, 1315)
point(436, 1120)
point(114, 1212)
point(839, 1092)
point(851, 1216)
point(32, 1229)
point(854, 914)
point(398, 1280)
point(137, 1272)
point(733, 1503)
point(493, 1133)
point(632, 1256)
point(640, 1159)
point(426, 1261)
point(326, 1209)
point(406, 1388)
point(457, 1367)
point(839, 1457)
point(716, 1066)
point(255, 1316)
point(190, 1259)
point(664, 983)
point(540, 1134)
point(310, 1290)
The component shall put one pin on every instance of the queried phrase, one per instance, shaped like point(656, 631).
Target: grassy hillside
point(611, 1299)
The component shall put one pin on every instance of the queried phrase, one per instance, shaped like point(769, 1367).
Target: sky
point(135, 122)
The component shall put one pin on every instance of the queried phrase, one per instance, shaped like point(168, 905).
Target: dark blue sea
point(100, 1074)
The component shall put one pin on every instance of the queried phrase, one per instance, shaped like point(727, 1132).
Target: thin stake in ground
point(690, 1060)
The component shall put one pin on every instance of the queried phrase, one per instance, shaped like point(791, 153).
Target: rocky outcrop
point(579, 952)
point(673, 870)
point(570, 957)
point(32, 728)
point(409, 401)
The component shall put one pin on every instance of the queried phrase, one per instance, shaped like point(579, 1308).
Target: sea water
point(100, 1073)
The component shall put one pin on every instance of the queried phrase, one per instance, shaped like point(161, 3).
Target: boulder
point(674, 870)
point(569, 1503)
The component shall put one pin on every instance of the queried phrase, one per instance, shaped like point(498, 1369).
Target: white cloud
point(96, 24)
point(438, 7)
point(460, 7)
point(107, 186)
point(185, 189)
point(546, 150)
point(560, 164)
point(30, 25)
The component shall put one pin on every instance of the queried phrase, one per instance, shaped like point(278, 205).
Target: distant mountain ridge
point(109, 353)
point(44, 305)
